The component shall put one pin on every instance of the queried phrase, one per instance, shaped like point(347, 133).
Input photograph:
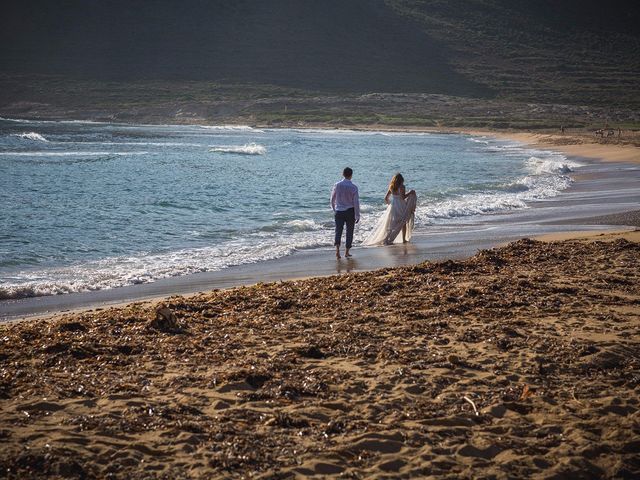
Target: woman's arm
point(386, 197)
point(407, 195)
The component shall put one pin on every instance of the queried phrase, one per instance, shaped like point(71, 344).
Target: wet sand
point(522, 361)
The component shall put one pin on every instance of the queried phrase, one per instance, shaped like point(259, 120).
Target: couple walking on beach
point(398, 218)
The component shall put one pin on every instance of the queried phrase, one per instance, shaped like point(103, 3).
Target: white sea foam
point(45, 153)
point(121, 271)
point(346, 131)
point(134, 144)
point(541, 166)
point(247, 149)
point(548, 181)
point(231, 128)
point(23, 120)
point(31, 136)
point(467, 205)
point(328, 131)
point(303, 225)
point(481, 140)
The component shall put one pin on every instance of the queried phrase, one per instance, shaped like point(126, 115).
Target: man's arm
point(333, 198)
point(356, 205)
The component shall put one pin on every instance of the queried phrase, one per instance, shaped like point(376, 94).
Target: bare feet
point(338, 253)
point(347, 254)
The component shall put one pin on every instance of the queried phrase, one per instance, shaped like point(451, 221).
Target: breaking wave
point(547, 178)
point(70, 154)
point(31, 136)
point(248, 149)
point(541, 166)
point(231, 128)
point(122, 271)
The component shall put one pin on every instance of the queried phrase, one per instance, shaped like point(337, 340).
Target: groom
point(346, 206)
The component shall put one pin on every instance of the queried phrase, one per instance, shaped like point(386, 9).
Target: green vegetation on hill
point(570, 51)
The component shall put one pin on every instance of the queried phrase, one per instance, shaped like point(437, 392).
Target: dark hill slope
point(353, 45)
point(569, 51)
point(547, 51)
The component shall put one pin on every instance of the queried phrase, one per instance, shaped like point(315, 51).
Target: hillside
point(570, 51)
point(299, 60)
point(358, 45)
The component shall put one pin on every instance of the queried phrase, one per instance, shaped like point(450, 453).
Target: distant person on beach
point(399, 216)
point(346, 207)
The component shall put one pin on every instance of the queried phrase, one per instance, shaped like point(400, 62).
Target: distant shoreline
point(577, 142)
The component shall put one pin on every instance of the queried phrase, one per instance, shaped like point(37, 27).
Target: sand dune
point(521, 361)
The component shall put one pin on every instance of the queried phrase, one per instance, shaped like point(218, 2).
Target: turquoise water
point(87, 206)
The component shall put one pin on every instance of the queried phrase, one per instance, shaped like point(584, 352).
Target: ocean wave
point(347, 131)
point(541, 166)
point(134, 144)
point(247, 149)
point(231, 128)
point(303, 225)
point(44, 153)
point(31, 136)
point(511, 196)
point(467, 205)
point(123, 271)
point(478, 140)
point(325, 131)
point(24, 120)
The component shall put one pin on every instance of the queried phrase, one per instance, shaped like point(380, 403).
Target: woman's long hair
point(396, 182)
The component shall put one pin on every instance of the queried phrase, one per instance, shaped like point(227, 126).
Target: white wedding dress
point(389, 228)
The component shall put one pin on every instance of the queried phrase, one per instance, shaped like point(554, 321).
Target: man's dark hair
point(347, 172)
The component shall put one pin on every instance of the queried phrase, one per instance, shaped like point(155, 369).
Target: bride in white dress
point(398, 218)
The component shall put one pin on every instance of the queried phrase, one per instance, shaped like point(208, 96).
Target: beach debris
point(608, 359)
point(526, 393)
point(573, 395)
point(310, 351)
point(165, 320)
point(72, 327)
point(284, 304)
point(472, 404)
point(335, 426)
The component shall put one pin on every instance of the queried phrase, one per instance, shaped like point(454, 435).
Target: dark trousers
point(348, 217)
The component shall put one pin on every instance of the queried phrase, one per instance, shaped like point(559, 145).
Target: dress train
point(388, 230)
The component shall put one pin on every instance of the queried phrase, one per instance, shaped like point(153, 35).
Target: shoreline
point(564, 144)
point(575, 142)
point(631, 234)
point(250, 274)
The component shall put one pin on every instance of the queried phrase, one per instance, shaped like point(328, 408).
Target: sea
point(87, 206)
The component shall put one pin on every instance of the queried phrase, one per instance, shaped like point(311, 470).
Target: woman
point(398, 217)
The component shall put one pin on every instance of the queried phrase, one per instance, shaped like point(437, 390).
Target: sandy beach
point(578, 143)
point(520, 361)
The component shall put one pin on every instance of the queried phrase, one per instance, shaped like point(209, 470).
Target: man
point(346, 207)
